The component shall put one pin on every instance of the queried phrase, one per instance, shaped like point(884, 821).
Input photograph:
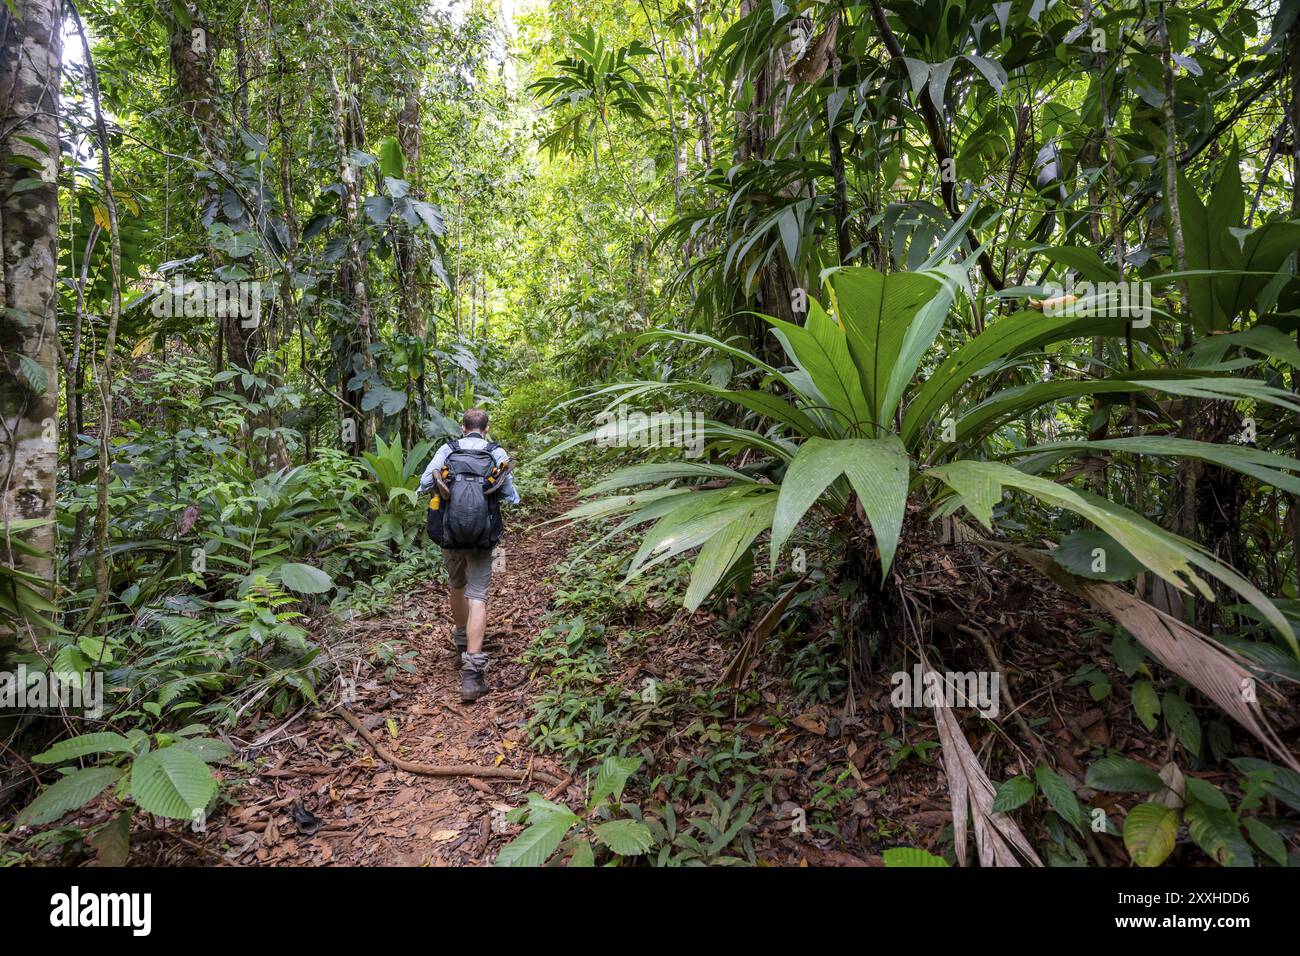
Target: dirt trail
point(362, 811)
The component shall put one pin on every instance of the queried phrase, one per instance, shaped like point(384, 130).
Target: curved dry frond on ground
point(1216, 671)
point(971, 790)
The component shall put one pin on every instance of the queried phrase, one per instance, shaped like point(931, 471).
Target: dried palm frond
point(746, 658)
point(972, 792)
point(1216, 671)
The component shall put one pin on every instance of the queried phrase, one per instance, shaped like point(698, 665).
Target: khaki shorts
point(471, 570)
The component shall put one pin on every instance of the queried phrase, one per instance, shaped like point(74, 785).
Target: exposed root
point(432, 770)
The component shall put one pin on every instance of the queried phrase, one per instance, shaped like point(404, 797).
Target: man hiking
point(469, 478)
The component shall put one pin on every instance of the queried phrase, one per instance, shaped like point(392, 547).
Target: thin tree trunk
point(351, 274)
point(193, 50)
point(1187, 470)
point(755, 130)
point(1293, 116)
point(407, 264)
point(104, 379)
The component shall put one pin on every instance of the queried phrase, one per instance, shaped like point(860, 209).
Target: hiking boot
point(472, 671)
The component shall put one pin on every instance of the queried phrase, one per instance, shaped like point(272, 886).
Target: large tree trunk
point(30, 58)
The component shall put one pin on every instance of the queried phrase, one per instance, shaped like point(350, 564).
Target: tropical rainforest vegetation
point(983, 319)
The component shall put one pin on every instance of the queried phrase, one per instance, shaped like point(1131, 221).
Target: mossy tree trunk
point(30, 55)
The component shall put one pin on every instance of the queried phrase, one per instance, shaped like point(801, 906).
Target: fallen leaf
point(810, 723)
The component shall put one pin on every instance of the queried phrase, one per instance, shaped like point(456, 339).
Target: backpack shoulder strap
point(454, 445)
point(491, 447)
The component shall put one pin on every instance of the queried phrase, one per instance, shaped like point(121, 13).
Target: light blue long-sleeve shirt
point(471, 442)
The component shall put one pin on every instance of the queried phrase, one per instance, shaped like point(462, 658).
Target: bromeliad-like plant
point(397, 476)
point(853, 416)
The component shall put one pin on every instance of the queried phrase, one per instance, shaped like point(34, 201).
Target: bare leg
point(477, 623)
point(459, 612)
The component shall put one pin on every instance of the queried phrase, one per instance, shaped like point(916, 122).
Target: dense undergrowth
point(973, 326)
point(786, 770)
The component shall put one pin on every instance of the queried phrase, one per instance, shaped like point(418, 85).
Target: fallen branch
point(432, 770)
point(559, 787)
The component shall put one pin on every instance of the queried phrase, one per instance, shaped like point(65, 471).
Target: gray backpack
point(471, 515)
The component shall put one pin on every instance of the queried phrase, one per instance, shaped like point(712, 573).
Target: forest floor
point(325, 797)
point(311, 791)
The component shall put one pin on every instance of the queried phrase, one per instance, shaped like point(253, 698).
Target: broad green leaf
point(724, 549)
point(709, 432)
point(1013, 793)
point(1264, 837)
point(1084, 261)
point(764, 403)
point(207, 749)
point(391, 161)
point(625, 837)
point(1060, 796)
point(821, 349)
point(708, 341)
point(68, 793)
point(582, 854)
point(389, 400)
point(889, 320)
point(1012, 403)
point(1266, 250)
point(661, 472)
point(979, 485)
point(605, 507)
point(96, 743)
point(910, 856)
point(1215, 832)
point(877, 469)
point(1265, 340)
point(1146, 704)
point(1205, 792)
point(1150, 833)
point(304, 579)
point(1123, 775)
point(1008, 337)
point(1280, 782)
point(698, 519)
point(613, 777)
point(1095, 555)
point(1182, 720)
point(1267, 467)
point(1208, 244)
point(172, 782)
point(538, 841)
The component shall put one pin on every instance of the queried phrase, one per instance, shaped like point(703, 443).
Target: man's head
point(475, 420)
